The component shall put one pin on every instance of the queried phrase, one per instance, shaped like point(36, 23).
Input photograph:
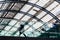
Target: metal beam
point(45, 10)
point(1, 2)
point(8, 18)
point(9, 11)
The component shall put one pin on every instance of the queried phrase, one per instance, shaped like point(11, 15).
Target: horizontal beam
point(1, 2)
point(9, 11)
point(8, 18)
point(26, 38)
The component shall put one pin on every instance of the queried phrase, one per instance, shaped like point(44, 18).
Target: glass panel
point(25, 18)
point(5, 21)
point(31, 23)
point(37, 25)
point(3, 32)
point(32, 12)
point(13, 29)
point(17, 33)
point(18, 24)
point(46, 18)
point(22, 35)
point(18, 16)
point(41, 14)
point(7, 28)
point(54, 4)
point(26, 8)
point(42, 3)
point(33, 1)
point(28, 32)
point(26, 26)
point(7, 34)
point(56, 10)
point(12, 22)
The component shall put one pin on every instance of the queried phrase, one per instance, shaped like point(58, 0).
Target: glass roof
point(27, 18)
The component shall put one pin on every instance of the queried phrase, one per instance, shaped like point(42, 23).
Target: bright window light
point(17, 33)
point(18, 24)
point(26, 26)
point(42, 3)
point(41, 14)
point(59, 17)
point(46, 18)
point(34, 20)
point(33, 1)
point(3, 32)
point(36, 8)
point(10, 32)
point(56, 10)
point(22, 35)
point(18, 16)
point(7, 34)
point(31, 23)
point(26, 8)
point(37, 25)
point(32, 34)
point(13, 29)
point(1, 0)
point(25, 18)
point(12, 22)
point(58, 14)
point(7, 27)
point(54, 4)
point(50, 25)
point(22, 22)
point(28, 32)
point(32, 12)
point(5, 21)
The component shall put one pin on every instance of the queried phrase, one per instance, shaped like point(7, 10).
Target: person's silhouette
point(21, 27)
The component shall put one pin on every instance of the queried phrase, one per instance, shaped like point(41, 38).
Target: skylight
point(36, 17)
point(12, 22)
point(46, 18)
point(25, 18)
point(26, 8)
point(7, 27)
point(18, 16)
